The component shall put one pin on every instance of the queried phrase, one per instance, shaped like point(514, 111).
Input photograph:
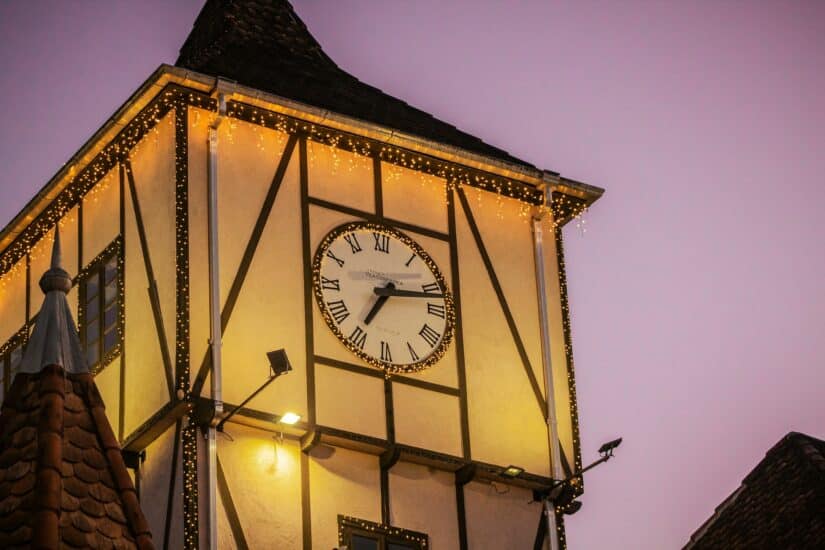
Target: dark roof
point(63, 482)
point(780, 504)
point(265, 45)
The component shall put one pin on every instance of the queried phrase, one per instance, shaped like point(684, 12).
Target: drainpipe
point(549, 390)
point(214, 312)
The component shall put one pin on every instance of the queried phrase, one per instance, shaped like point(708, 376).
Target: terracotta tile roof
point(265, 45)
point(780, 504)
point(63, 482)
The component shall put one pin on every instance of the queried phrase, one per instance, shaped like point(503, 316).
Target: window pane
point(400, 546)
point(91, 287)
point(111, 269)
point(92, 355)
point(363, 543)
point(92, 311)
point(93, 331)
point(110, 340)
point(110, 292)
point(110, 317)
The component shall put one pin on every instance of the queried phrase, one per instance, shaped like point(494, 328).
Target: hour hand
point(392, 291)
point(379, 303)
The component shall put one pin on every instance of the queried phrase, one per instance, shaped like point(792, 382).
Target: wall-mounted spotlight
point(289, 418)
point(511, 471)
point(278, 364)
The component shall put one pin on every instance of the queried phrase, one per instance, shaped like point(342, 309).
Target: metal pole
point(214, 317)
point(552, 425)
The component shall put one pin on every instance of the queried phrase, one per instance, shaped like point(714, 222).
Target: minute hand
point(384, 291)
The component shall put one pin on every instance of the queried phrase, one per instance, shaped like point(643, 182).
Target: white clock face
point(383, 296)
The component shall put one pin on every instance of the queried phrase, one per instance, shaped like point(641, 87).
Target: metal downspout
point(549, 390)
point(215, 341)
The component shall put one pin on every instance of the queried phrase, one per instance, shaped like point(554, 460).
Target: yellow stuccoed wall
point(264, 475)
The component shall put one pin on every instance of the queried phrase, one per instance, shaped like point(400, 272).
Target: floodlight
point(279, 364)
point(512, 471)
point(290, 418)
point(608, 447)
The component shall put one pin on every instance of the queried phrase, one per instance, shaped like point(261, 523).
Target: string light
point(382, 529)
point(577, 483)
point(94, 178)
point(449, 305)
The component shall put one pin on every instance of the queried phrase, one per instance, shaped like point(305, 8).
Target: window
point(358, 534)
point(11, 355)
point(101, 308)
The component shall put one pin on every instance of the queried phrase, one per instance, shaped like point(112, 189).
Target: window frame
point(17, 340)
point(97, 269)
point(382, 534)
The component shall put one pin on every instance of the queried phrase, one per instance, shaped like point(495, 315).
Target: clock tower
point(318, 316)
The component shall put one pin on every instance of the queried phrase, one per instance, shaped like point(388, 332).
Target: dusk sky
point(696, 291)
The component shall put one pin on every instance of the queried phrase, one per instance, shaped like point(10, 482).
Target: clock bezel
point(449, 326)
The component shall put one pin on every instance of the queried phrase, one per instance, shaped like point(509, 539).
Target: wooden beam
point(459, 327)
point(505, 308)
point(395, 378)
point(170, 497)
point(158, 423)
point(246, 259)
point(369, 216)
point(231, 511)
point(154, 298)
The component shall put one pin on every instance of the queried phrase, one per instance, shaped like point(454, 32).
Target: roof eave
point(185, 77)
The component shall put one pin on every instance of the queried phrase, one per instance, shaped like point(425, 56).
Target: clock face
point(383, 296)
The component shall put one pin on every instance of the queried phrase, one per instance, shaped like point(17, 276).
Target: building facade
point(257, 198)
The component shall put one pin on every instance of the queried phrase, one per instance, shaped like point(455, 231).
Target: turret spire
point(54, 341)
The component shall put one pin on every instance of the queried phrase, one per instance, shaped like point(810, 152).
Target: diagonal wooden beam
point(154, 299)
point(246, 260)
point(170, 500)
point(525, 360)
point(231, 511)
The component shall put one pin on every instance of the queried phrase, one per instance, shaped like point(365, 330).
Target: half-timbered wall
point(484, 400)
point(280, 193)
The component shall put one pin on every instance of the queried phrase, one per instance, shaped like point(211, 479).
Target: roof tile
point(265, 45)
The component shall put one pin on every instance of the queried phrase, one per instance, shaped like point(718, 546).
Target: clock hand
point(391, 291)
point(379, 303)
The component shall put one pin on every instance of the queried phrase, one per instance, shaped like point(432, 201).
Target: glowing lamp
point(512, 471)
point(290, 418)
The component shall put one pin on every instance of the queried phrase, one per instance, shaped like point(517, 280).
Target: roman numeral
point(352, 240)
point(358, 337)
point(429, 335)
point(330, 284)
point(431, 287)
point(436, 309)
point(385, 352)
point(338, 310)
point(332, 256)
point(413, 355)
point(409, 261)
point(382, 242)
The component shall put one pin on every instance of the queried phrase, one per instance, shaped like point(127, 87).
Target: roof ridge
point(264, 44)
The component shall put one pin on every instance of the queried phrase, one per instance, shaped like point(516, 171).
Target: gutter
point(215, 330)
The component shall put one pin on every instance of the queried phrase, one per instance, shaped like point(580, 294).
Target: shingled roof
point(780, 504)
point(265, 45)
point(63, 482)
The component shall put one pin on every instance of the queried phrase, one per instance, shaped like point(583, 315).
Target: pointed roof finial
point(56, 277)
point(54, 340)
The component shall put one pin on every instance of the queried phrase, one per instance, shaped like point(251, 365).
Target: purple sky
point(698, 311)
